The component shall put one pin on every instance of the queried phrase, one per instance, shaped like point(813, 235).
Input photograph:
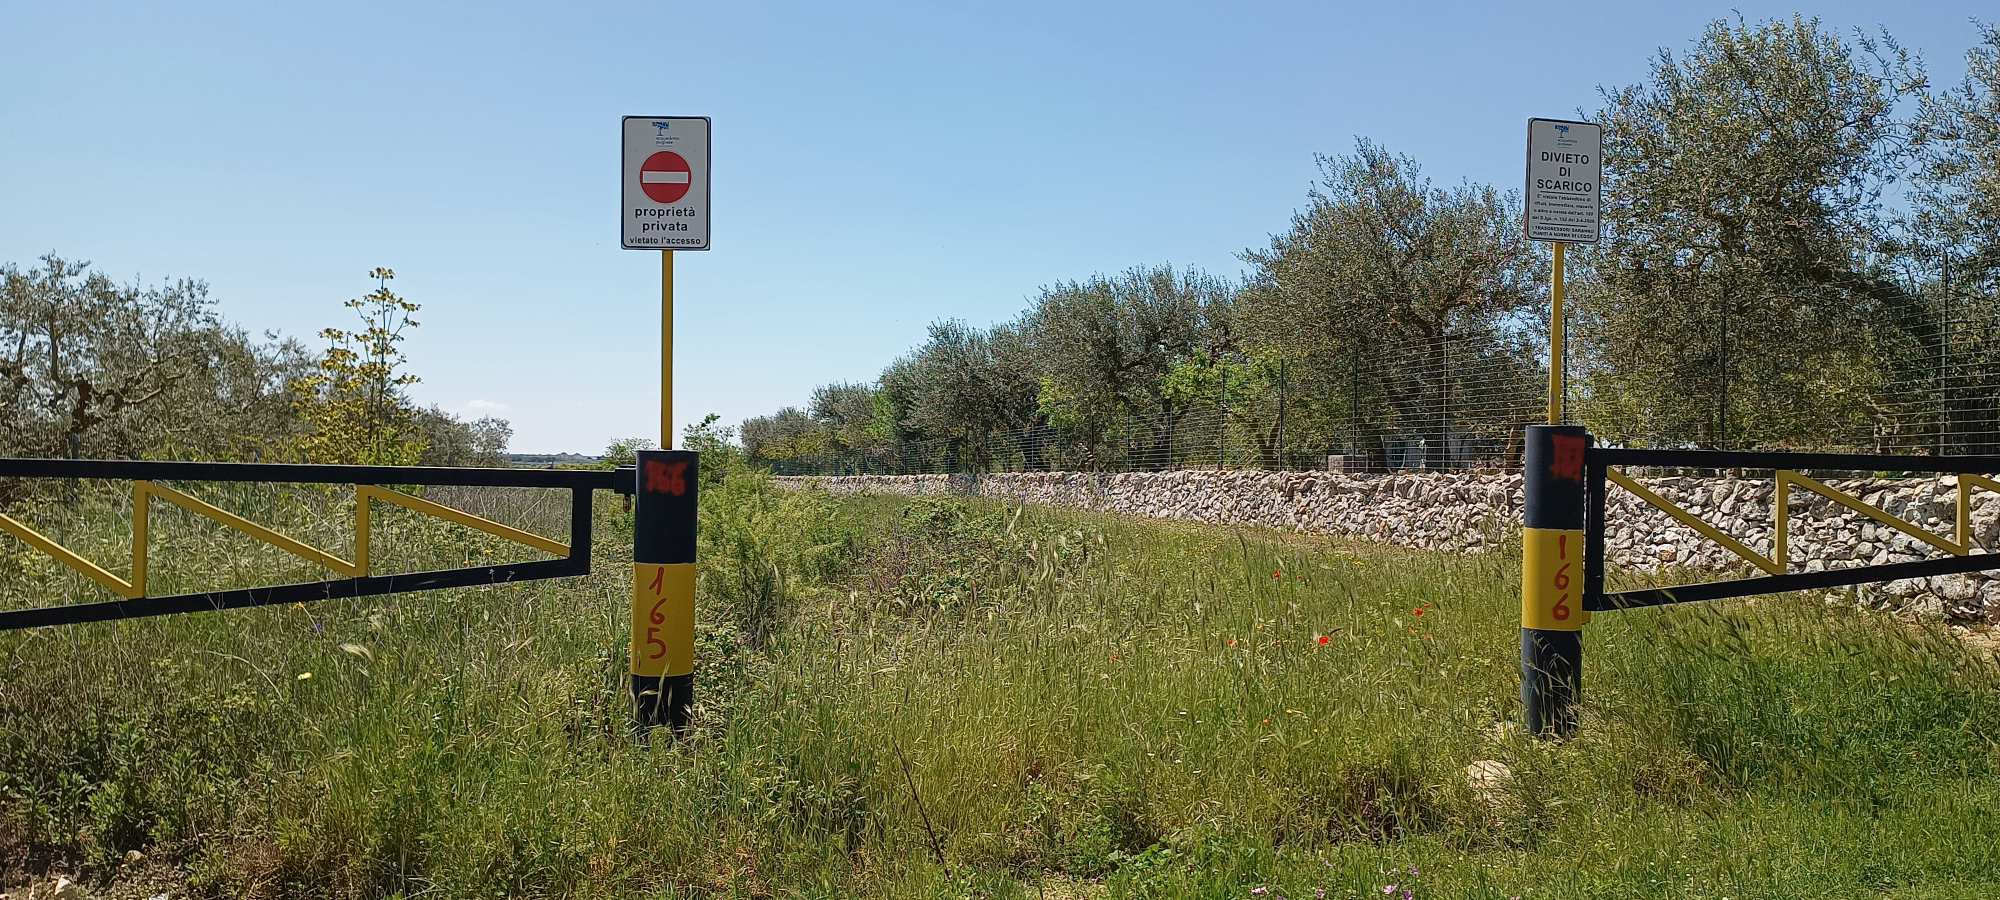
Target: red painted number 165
point(658, 618)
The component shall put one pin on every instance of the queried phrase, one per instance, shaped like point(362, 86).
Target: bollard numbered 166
point(1552, 554)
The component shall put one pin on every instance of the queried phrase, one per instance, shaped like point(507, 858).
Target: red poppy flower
point(1323, 639)
point(1229, 643)
point(1276, 573)
point(1419, 611)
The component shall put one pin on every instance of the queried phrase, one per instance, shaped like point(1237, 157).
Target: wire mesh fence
point(1920, 375)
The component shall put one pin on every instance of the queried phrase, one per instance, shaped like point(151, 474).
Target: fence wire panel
point(1883, 371)
point(1895, 372)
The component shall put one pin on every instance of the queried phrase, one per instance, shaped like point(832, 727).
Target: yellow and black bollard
point(1552, 551)
point(663, 548)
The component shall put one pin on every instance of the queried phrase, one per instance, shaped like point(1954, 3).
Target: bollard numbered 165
point(663, 550)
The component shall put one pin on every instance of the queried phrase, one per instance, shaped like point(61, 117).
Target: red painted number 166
point(1561, 609)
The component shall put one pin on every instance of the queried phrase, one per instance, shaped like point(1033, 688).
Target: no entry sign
point(663, 177)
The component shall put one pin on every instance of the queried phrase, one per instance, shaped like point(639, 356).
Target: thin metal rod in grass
point(937, 850)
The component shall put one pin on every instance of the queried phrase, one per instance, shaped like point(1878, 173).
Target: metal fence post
point(1945, 324)
point(1552, 550)
point(1444, 407)
point(1354, 408)
point(1284, 394)
point(1722, 387)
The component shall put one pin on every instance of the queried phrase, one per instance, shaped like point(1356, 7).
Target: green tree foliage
point(1740, 293)
point(858, 424)
point(1383, 268)
point(91, 368)
point(1099, 352)
point(355, 407)
point(788, 433)
point(847, 413)
point(451, 441)
point(1954, 230)
point(1247, 391)
point(895, 394)
point(95, 369)
point(1957, 192)
point(968, 385)
point(624, 452)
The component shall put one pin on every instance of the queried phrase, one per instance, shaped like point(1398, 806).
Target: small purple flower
point(1413, 871)
point(1258, 891)
point(1319, 893)
point(1388, 889)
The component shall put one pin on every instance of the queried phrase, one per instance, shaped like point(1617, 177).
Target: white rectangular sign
point(1565, 180)
point(664, 183)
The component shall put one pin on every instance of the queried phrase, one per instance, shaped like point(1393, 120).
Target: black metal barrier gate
point(1786, 468)
point(1565, 483)
point(371, 484)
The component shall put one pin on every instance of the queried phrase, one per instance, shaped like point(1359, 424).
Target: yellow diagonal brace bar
point(1854, 503)
point(463, 518)
point(1965, 485)
point(1685, 518)
point(294, 547)
point(69, 558)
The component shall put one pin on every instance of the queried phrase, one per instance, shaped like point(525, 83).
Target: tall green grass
point(944, 698)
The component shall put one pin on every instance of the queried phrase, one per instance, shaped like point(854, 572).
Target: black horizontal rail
point(301, 473)
point(1800, 581)
point(372, 586)
point(1758, 459)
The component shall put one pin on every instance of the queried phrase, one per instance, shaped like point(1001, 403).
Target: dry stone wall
point(1479, 511)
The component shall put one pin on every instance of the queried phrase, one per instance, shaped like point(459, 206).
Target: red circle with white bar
point(665, 177)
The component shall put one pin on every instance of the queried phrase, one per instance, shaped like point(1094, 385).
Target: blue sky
point(877, 166)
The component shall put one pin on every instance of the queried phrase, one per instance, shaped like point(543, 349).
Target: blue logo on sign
point(661, 125)
point(1562, 129)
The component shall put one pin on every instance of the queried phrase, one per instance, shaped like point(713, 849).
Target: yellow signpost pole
point(663, 546)
point(1556, 341)
point(667, 343)
point(1552, 540)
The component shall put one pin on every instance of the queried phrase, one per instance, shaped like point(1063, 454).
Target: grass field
point(944, 698)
